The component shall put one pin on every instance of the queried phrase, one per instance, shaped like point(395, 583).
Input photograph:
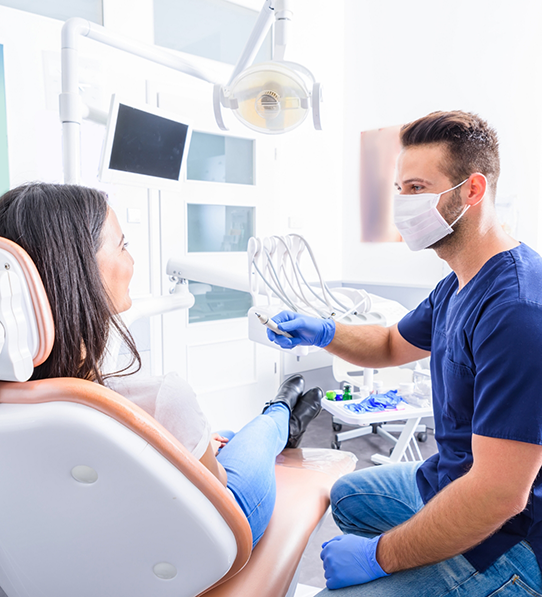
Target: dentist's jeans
point(371, 501)
point(249, 460)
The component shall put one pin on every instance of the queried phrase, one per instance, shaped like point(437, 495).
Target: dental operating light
point(271, 97)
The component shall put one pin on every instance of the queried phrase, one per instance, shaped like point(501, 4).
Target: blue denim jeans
point(249, 460)
point(373, 500)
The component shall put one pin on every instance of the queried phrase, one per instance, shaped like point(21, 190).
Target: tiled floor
point(320, 435)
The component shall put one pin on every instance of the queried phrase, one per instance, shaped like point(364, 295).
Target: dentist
point(467, 521)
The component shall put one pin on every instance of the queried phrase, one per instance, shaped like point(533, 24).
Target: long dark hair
point(60, 227)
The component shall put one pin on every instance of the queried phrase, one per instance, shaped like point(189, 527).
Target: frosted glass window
point(216, 158)
point(214, 228)
point(215, 302)
point(214, 29)
point(60, 9)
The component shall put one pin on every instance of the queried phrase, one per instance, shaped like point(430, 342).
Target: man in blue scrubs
point(467, 521)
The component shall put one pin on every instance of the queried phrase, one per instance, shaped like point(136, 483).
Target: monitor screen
point(143, 146)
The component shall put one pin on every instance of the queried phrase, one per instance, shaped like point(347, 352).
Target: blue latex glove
point(350, 560)
point(307, 331)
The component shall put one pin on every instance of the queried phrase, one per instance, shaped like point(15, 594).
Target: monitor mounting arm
point(72, 109)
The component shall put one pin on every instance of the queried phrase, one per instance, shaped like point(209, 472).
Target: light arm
point(254, 43)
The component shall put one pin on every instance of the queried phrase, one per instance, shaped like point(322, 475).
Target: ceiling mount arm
point(283, 21)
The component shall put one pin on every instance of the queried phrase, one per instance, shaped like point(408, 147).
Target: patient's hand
point(218, 442)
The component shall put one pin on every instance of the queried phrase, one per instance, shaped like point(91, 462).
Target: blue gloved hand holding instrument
point(304, 330)
point(350, 560)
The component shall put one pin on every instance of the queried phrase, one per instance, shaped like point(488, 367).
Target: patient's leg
point(249, 460)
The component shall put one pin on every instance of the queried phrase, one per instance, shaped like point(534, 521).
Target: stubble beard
point(450, 212)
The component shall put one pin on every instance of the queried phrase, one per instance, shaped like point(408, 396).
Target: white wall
point(406, 59)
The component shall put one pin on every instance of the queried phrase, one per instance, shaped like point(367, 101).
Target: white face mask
point(419, 221)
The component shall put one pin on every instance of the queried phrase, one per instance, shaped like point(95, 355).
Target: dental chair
point(97, 499)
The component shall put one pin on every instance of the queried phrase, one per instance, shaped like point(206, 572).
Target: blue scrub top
point(486, 373)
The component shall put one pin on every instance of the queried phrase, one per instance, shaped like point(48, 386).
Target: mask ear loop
point(462, 214)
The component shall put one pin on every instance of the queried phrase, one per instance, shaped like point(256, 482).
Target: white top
point(173, 403)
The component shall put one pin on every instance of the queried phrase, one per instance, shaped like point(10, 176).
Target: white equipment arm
point(71, 105)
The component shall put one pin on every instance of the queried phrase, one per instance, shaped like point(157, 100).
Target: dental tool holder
point(277, 282)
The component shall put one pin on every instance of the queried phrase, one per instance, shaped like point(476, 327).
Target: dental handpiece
point(272, 325)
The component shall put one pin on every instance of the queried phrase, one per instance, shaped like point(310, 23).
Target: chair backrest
point(97, 497)
point(27, 329)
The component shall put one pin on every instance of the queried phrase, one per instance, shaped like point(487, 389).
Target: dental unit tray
point(404, 411)
point(405, 447)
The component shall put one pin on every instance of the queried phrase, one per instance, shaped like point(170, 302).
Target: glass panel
point(214, 29)
point(214, 228)
point(215, 158)
point(60, 9)
point(215, 302)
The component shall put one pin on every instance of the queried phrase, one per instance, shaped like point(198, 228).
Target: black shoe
point(289, 392)
point(307, 408)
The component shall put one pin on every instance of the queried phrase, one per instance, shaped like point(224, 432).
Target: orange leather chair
point(99, 500)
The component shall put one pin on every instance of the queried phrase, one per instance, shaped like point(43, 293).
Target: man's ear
point(476, 188)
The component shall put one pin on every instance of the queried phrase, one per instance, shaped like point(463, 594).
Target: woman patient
point(78, 247)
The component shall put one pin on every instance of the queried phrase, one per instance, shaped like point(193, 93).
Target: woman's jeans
point(373, 500)
point(249, 460)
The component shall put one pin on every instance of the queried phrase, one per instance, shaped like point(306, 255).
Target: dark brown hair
point(471, 144)
point(60, 227)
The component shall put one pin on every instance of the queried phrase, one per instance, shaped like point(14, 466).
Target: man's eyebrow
point(416, 180)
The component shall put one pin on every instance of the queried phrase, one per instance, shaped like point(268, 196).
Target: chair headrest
point(26, 322)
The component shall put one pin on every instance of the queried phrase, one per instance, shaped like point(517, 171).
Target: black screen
point(147, 144)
